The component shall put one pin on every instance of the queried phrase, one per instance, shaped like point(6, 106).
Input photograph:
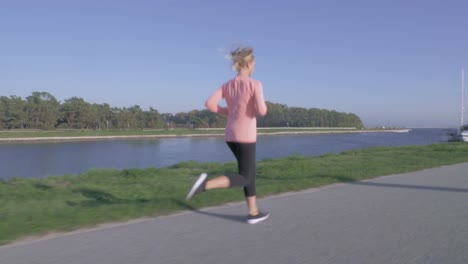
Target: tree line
point(41, 110)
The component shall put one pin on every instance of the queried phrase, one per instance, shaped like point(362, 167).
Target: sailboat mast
point(463, 98)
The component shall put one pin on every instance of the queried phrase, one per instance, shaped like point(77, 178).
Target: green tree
point(199, 119)
point(277, 116)
point(297, 117)
point(182, 119)
point(93, 120)
point(168, 119)
point(3, 112)
point(126, 118)
point(105, 116)
point(215, 120)
point(43, 110)
point(314, 117)
point(136, 117)
point(115, 118)
point(153, 119)
point(76, 112)
point(17, 112)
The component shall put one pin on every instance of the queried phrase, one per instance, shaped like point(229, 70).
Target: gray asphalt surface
point(419, 217)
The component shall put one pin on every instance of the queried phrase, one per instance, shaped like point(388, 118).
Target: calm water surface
point(46, 159)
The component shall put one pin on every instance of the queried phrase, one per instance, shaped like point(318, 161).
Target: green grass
point(84, 133)
point(64, 203)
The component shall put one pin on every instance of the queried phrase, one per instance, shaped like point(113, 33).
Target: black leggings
point(246, 162)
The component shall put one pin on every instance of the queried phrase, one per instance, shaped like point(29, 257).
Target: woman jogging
point(244, 99)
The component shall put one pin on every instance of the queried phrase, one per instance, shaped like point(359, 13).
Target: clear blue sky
point(393, 63)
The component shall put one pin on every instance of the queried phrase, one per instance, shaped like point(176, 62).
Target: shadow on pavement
point(234, 218)
point(406, 186)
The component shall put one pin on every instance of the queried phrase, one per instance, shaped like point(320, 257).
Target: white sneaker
point(198, 186)
point(253, 219)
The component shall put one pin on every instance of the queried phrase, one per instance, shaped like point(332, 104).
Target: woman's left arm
point(213, 100)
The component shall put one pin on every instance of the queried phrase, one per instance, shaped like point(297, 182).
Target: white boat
point(463, 133)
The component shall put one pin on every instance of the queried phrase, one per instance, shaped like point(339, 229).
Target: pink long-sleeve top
point(244, 99)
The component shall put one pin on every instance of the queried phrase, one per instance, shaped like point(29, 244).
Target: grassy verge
point(38, 206)
point(86, 133)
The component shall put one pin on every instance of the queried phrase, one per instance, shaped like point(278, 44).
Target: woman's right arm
point(260, 101)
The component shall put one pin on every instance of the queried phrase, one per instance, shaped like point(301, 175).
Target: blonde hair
point(240, 57)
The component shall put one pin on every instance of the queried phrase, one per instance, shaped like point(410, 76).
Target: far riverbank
point(72, 135)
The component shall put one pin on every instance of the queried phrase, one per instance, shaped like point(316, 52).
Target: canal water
point(46, 159)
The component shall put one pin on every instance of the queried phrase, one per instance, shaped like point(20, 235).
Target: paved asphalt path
point(419, 217)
